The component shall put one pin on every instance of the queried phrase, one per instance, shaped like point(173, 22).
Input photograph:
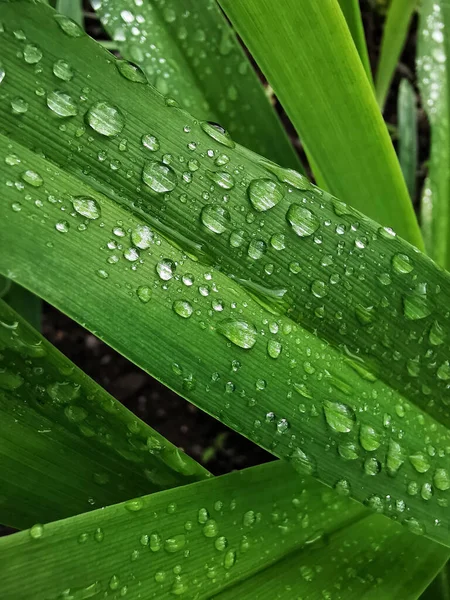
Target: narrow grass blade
point(309, 58)
point(439, 589)
point(434, 89)
point(189, 52)
point(72, 9)
point(20, 299)
point(394, 36)
point(407, 134)
point(66, 445)
point(192, 542)
point(278, 309)
point(369, 559)
point(352, 14)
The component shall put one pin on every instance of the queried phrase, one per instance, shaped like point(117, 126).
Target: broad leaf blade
point(189, 52)
point(307, 54)
point(338, 394)
point(434, 89)
point(407, 134)
point(72, 9)
point(193, 541)
point(352, 13)
point(369, 559)
point(66, 445)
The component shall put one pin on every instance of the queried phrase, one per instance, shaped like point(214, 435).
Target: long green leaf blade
point(189, 52)
point(368, 559)
point(192, 541)
point(433, 84)
point(407, 134)
point(340, 394)
point(66, 445)
point(352, 13)
point(335, 112)
point(72, 9)
point(26, 304)
point(394, 37)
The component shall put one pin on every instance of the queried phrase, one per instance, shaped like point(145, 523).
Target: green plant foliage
point(66, 445)
point(432, 78)
point(189, 52)
point(191, 542)
point(407, 134)
point(394, 36)
point(335, 114)
point(281, 311)
point(352, 13)
point(369, 559)
point(72, 9)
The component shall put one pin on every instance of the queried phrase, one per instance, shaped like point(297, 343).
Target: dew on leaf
point(32, 54)
point(264, 194)
point(32, 178)
point(216, 218)
point(240, 333)
point(340, 417)
point(62, 104)
point(183, 308)
point(217, 133)
point(105, 119)
point(130, 71)
point(63, 70)
point(165, 269)
point(87, 207)
point(160, 178)
point(150, 142)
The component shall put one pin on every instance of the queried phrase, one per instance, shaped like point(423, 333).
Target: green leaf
point(394, 37)
point(305, 326)
point(189, 52)
point(72, 9)
point(440, 587)
point(335, 112)
point(432, 79)
point(193, 541)
point(26, 304)
point(369, 559)
point(407, 134)
point(352, 14)
point(66, 445)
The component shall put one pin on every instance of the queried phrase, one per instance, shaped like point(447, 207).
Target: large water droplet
point(369, 438)
point(210, 528)
point(229, 559)
point(420, 462)
point(303, 221)
point(222, 178)
point(240, 333)
point(165, 269)
point(159, 177)
point(87, 207)
point(175, 543)
point(32, 178)
point(441, 479)
point(62, 70)
point(340, 417)
point(416, 307)
point(401, 263)
point(150, 142)
point(62, 104)
point(144, 293)
point(69, 27)
point(264, 194)
point(274, 348)
point(302, 462)
point(395, 457)
point(105, 119)
point(215, 217)
point(142, 237)
point(32, 54)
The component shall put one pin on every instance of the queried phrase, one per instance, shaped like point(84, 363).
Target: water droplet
point(62, 226)
point(210, 528)
point(105, 119)
point(319, 289)
point(32, 178)
point(222, 178)
point(87, 207)
point(217, 133)
point(348, 451)
point(229, 559)
point(202, 516)
point(69, 27)
point(221, 543)
point(369, 438)
point(441, 479)
point(142, 237)
point(63, 392)
point(303, 221)
point(342, 487)
point(401, 263)
point(36, 531)
point(130, 71)
point(2, 72)
point(372, 466)
point(165, 269)
point(174, 543)
point(32, 54)
point(114, 583)
point(155, 542)
point(264, 194)
point(414, 526)
point(340, 417)
point(419, 462)
point(386, 233)
point(274, 348)
point(134, 505)
point(416, 307)
point(183, 308)
point(249, 518)
point(302, 462)
point(436, 335)
point(159, 177)
point(150, 142)
point(62, 70)
point(443, 371)
point(240, 333)
point(282, 426)
point(19, 106)
point(395, 457)
point(62, 104)
point(215, 218)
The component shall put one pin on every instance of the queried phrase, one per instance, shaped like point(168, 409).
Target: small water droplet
point(32, 54)
point(36, 531)
point(217, 133)
point(222, 178)
point(63, 70)
point(372, 466)
point(215, 218)
point(174, 543)
point(441, 479)
point(369, 438)
point(69, 27)
point(62, 226)
point(150, 142)
point(274, 348)
point(210, 528)
point(183, 308)
point(62, 104)
point(419, 462)
point(165, 269)
point(130, 71)
point(401, 263)
point(32, 178)
point(229, 559)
